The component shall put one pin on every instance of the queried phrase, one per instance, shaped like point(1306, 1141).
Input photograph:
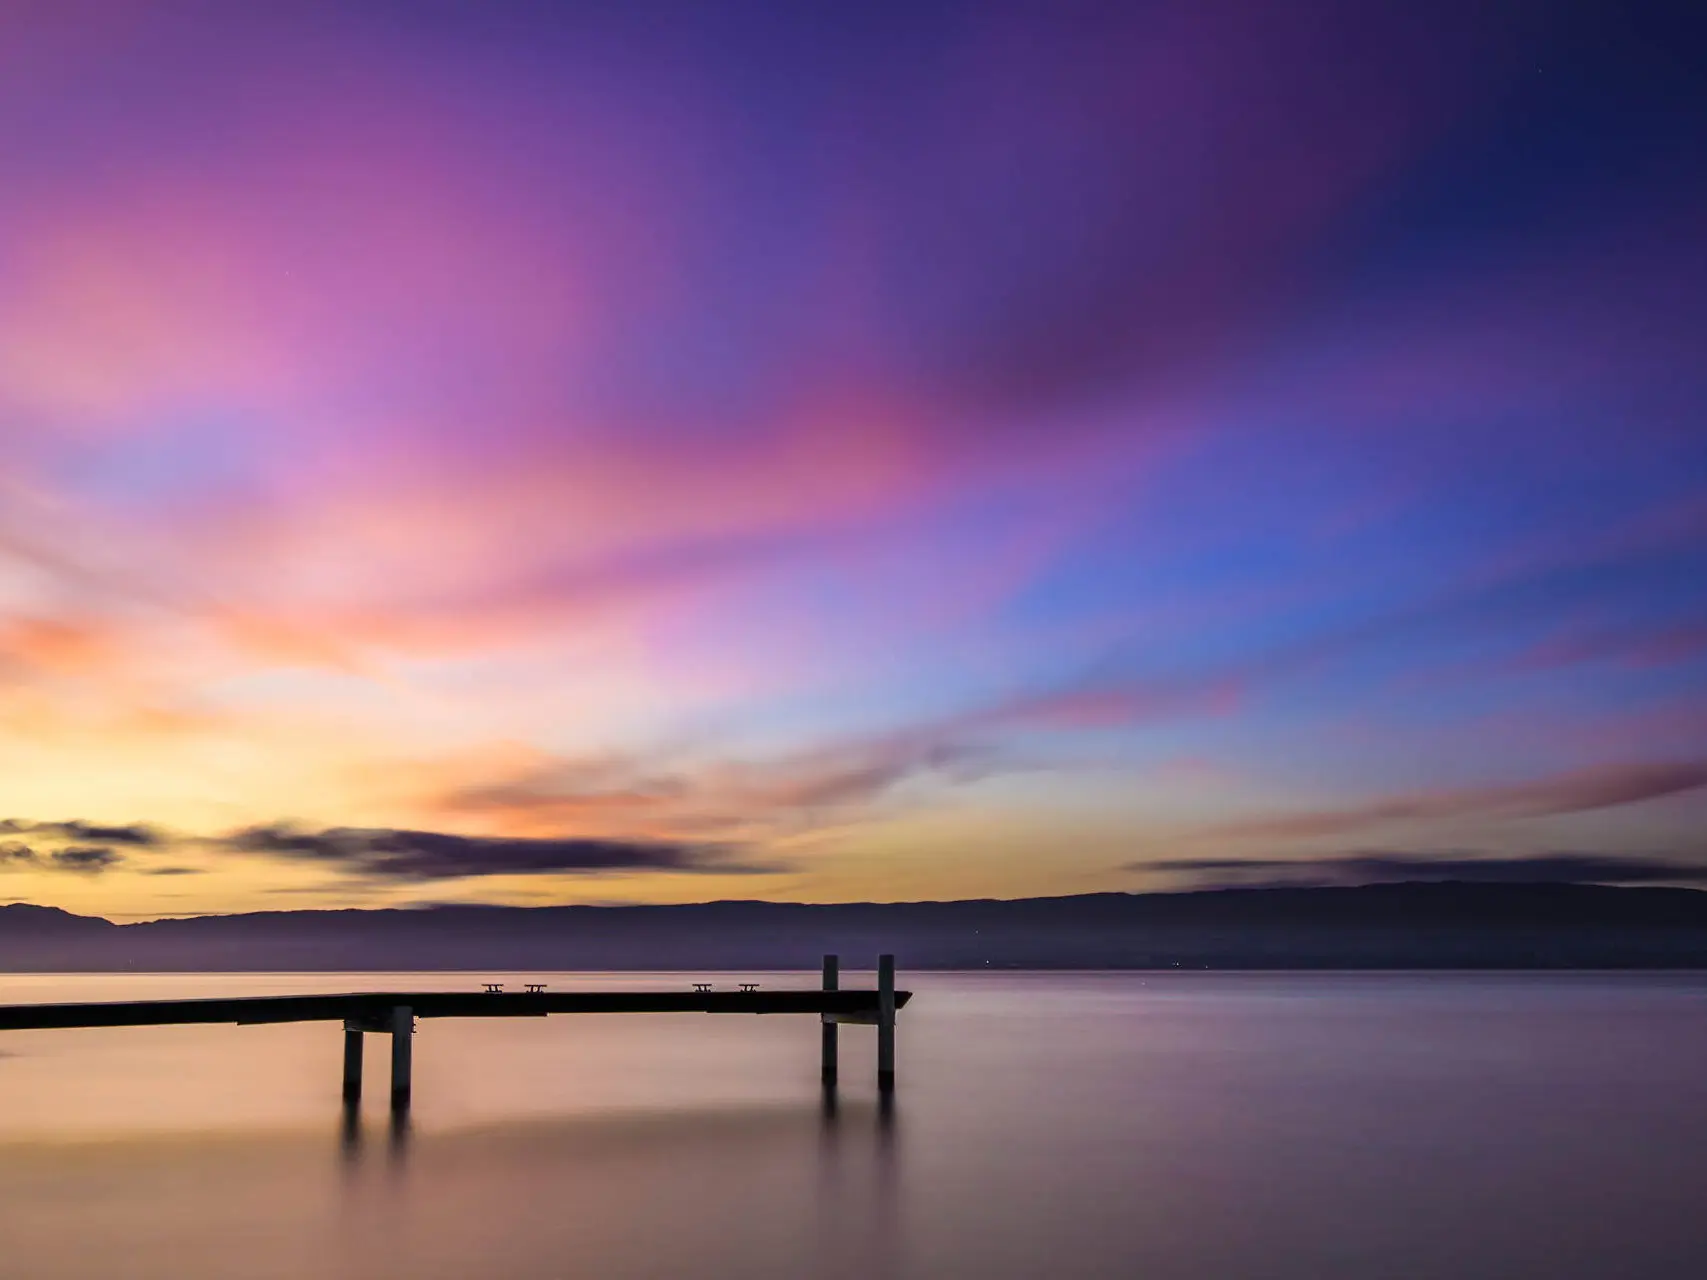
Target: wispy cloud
point(837, 780)
point(1578, 791)
point(759, 798)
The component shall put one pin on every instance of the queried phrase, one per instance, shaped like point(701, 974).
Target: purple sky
point(580, 452)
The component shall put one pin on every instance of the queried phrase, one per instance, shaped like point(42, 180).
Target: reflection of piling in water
point(352, 1136)
point(350, 1132)
point(399, 1147)
point(887, 1234)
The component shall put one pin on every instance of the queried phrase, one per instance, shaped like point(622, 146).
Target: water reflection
point(400, 1130)
point(1558, 1126)
point(352, 1137)
point(714, 1190)
point(350, 1133)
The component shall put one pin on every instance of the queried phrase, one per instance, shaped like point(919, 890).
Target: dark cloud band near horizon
point(89, 860)
point(374, 853)
point(405, 855)
point(1383, 867)
point(135, 833)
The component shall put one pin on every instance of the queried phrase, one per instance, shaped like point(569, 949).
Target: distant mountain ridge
point(1420, 925)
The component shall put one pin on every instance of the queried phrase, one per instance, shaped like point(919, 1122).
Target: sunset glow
point(650, 453)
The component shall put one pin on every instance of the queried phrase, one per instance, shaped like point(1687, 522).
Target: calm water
point(1202, 1126)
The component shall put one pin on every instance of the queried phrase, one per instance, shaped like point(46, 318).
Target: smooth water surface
point(1047, 1125)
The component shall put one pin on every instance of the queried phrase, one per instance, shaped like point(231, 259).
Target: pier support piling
point(832, 981)
point(886, 1024)
point(352, 1063)
point(402, 1037)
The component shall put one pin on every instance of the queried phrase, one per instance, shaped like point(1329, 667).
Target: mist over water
point(1189, 1125)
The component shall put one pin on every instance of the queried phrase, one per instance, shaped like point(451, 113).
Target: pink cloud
point(409, 328)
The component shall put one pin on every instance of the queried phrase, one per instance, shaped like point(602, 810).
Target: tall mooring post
point(352, 1062)
point(886, 1024)
point(402, 1036)
point(832, 981)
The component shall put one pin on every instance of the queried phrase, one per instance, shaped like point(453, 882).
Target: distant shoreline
point(1390, 927)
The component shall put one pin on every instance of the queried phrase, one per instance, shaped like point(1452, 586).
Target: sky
point(552, 452)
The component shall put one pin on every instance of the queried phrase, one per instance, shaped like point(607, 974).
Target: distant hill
point(1431, 926)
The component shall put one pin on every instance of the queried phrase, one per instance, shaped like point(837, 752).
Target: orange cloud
point(62, 646)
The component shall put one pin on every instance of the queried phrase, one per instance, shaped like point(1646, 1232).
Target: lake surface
point(1047, 1125)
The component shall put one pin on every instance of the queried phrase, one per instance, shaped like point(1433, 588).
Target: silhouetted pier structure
point(395, 1013)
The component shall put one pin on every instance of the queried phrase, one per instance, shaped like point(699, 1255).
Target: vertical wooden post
point(886, 1024)
point(402, 1034)
point(832, 982)
point(352, 1063)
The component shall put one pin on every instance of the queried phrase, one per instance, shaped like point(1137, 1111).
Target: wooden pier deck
point(374, 1006)
point(396, 1013)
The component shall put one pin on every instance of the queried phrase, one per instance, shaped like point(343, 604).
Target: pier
point(396, 1013)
